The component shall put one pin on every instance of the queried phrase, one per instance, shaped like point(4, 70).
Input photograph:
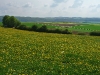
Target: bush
point(34, 28)
point(81, 33)
point(50, 31)
point(66, 31)
point(42, 29)
point(95, 33)
point(22, 27)
point(57, 31)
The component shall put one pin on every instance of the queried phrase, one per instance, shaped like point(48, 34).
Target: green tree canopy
point(10, 21)
point(4, 20)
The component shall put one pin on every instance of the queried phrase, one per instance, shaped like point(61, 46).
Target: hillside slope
point(33, 53)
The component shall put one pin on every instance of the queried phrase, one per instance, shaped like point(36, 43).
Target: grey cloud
point(95, 8)
point(98, 6)
point(9, 4)
point(54, 5)
point(77, 3)
point(57, 2)
point(12, 5)
point(92, 6)
point(3, 10)
point(45, 5)
point(28, 5)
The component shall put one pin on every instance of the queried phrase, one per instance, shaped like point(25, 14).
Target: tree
point(17, 24)
point(10, 21)
point(5, 20)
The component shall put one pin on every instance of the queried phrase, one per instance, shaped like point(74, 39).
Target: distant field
point(49, 25)
point(34, 53)
point(81, 27)
point(85, 28)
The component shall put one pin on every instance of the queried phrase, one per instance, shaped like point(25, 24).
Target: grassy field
point(49, 25)
point(33, 53)
point(81, 27)
point(85, 28)
point(88, 27)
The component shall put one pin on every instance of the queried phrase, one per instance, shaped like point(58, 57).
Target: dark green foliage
point(34, 28)
point(5, 20)
point(17, 24)
point(81, 33)
point(50, 31)
point(10, 21)
point(43, 29)
point(22, 27)
point(66, 31)
point(57, 31)
point(95, 33)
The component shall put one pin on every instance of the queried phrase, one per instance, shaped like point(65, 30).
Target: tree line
point(12, 22)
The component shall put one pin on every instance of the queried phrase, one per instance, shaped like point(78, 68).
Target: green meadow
point(85, 28)
point(80, 27)
point(33, 53)
point(49, 25)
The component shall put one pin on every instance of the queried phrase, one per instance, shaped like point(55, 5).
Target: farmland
point(33, 53)
point(49, 25)
point(80, 27)
point(85, 28)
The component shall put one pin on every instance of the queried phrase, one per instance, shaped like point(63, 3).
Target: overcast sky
point(50, 8)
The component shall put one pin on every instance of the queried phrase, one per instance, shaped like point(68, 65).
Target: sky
point(50, 8)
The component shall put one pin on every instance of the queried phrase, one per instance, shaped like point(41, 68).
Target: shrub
point(81, 33)
point(22, 27)
point(95, 33)
point(57, 31)
point(34, 28)
point(66, 31)
point(42, 29)
point(50, 31)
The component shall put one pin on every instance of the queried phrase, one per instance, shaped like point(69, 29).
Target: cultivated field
point(85, 28)
point(49, 25)
point(80, 27)
point(33, 53)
